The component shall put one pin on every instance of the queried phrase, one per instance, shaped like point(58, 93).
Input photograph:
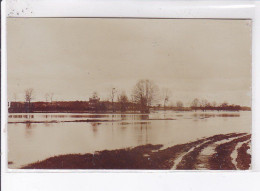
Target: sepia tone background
point(52, 60)
point(73, 57)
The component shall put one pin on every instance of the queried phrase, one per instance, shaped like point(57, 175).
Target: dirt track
point(188, 156)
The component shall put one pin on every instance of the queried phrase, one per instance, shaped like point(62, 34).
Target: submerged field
point(160, 140)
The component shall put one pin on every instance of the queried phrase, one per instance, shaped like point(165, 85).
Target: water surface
point(33, 137)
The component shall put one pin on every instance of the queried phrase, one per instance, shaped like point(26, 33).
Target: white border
point(100, 180)
point(130, 8)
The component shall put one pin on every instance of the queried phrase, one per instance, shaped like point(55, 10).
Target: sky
point(73, 57)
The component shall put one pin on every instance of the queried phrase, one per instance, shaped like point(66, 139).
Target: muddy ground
point(186, 156)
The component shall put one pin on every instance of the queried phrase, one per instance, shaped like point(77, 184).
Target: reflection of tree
point(142, 129)
point(28, 125)
point(113, 116)
point(144, 117)
point(28, 129)
point(47, 124)
point(123, 117)
point(146, 134)
point(94, 126)
point(122, 127)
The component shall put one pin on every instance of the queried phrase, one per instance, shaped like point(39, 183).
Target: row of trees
point(145, 95)
point(29, 96)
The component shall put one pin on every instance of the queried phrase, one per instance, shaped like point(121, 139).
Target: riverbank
point(183, 156)
point(108, 107)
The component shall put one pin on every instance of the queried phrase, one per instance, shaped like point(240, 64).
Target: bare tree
point(214, 104)
point(132, 102)
point(46, 97)
point(94, 101)
point(204, 103)
point(166, 96)
point(122, 100)
point(112, 95)
point(171, 104)
point(195, 104)
point(95, 95)
point(51, 96)
point(179, 104)
point(224, 104)
point(145, 94)
point(29, 97)
point(15, 97)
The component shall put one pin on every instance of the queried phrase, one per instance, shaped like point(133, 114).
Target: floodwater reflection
point(43, 139)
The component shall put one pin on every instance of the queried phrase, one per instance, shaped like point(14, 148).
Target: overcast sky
point(72, 57)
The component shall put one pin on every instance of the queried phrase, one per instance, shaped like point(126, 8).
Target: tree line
point(144, 97)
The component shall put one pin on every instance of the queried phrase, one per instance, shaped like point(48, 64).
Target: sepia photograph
point(129, 93)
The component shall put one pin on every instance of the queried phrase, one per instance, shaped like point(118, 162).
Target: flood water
point(34, 137)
